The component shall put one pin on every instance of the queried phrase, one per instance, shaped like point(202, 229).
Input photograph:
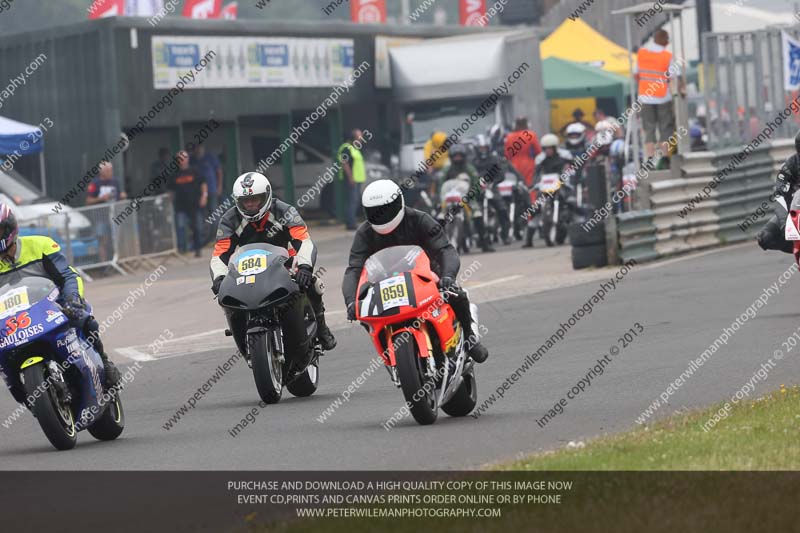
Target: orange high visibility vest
point(653, 67)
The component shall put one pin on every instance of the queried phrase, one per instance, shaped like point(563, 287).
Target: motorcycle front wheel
point(55, 418)
point(419, 392)
point(267, 368)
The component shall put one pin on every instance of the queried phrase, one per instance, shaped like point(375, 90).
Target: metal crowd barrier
point(114, 235)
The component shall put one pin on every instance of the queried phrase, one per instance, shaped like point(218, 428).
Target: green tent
point(567, 79)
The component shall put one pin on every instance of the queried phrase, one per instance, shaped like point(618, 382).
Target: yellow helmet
point(438, 139)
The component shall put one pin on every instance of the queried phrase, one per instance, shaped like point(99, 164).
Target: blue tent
point(18, 139)
point(16, 136)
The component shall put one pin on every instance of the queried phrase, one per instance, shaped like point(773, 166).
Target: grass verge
point(762, 434)
point(670, 476)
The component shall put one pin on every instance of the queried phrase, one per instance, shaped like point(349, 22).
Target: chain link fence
point(115, 235)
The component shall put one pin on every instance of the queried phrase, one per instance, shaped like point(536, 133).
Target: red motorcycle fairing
point(400, 296)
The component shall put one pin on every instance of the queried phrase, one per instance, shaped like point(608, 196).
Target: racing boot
point(324, 335)
point(111, 371)
point(478, 352)
point(92, 330)
point(467, 314)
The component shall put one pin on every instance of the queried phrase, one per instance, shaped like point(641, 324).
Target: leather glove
point(216, 284)
point(351, 311)
point(304, 277)
point(74, 308)
point(446, 283)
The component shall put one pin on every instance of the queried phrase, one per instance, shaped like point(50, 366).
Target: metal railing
point(116, 235)
point(743, 86)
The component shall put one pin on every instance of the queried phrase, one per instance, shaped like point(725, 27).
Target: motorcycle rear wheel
point(267, 369)
point(421, 400)
point(111, 423)
point(466, 397)
point(56, 420)
point(306, 383)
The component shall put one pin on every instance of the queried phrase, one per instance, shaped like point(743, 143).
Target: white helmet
point(549, 140)
point(252, 186)
point(604, 132)
point(384, 205)
point(576, 133)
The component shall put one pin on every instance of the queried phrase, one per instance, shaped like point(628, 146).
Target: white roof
point(727, 17)
point(12, 127)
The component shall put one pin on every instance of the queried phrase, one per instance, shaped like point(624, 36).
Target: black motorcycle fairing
point(253, 292)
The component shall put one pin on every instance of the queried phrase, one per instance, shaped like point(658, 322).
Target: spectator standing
point(655, 68)
point(577, 118)
point(353, 173)
point(436, 145)
point(160, 165)
point(521, 148)
point(190, 196)
point(210, 170)
point(104, 189)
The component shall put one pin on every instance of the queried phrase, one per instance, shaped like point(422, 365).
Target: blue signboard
point(274, 55)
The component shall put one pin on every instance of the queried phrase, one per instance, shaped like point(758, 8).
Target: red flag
point(368, 11)
point(202, 9)
point(230, 11)
point(472, 12)
point(106, 8)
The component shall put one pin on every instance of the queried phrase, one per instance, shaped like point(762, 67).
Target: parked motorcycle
point(52, 369)
point(554, 212)
point(416, 333)
point(454, 213)
point(279, 338)
point(515, 194)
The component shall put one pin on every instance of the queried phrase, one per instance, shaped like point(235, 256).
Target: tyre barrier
point(580, 236)
point(592, 255)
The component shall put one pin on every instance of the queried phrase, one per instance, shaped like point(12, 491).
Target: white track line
point(214, 339)
point(136, 355)
point(495, 281)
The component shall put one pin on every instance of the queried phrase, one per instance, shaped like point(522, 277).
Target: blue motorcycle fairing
point(51, 336)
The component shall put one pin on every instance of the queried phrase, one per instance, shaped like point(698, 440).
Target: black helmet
point(9, 229)
point(797, 142)
point(458, 150)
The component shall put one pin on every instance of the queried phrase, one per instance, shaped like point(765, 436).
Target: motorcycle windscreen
point(550, 182)
point(390, 283)
point(455, 191)
point(18, 325)
point(22, 294)
point(257, 275)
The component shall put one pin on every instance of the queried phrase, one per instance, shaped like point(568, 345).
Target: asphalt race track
point(683, 305)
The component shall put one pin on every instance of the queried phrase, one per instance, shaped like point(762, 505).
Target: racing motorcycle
point(52, 369)
point(279, 339)
point(416, 333)
point(554, 212)
point(454, 213)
